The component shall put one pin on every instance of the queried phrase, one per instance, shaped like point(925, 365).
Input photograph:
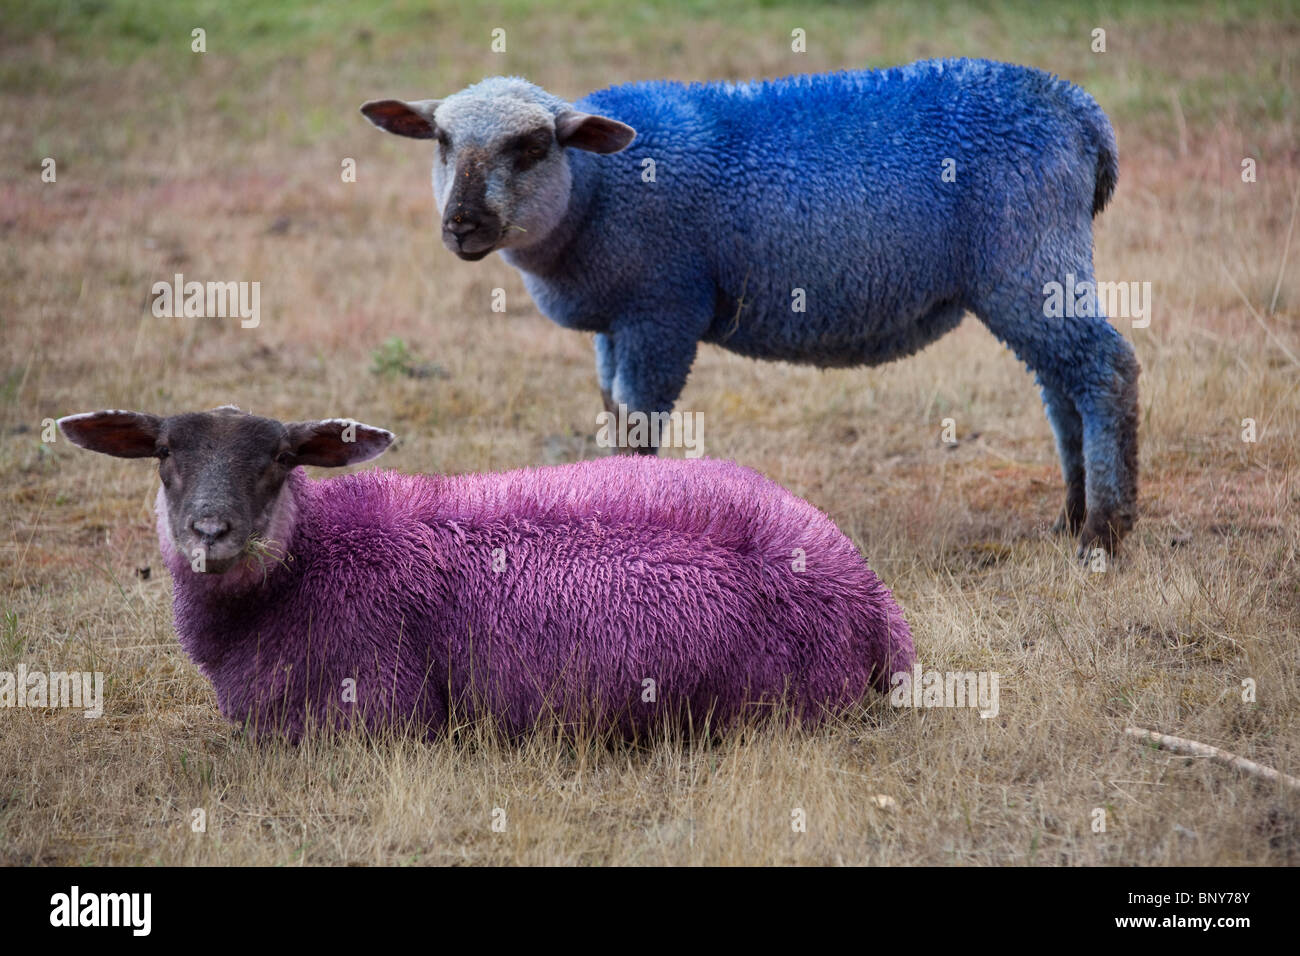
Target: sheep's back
point(626, 589)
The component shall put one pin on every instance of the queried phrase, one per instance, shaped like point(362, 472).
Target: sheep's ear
point(112, 432)
point(413, 119)
point(595, 134)
point(335, 442)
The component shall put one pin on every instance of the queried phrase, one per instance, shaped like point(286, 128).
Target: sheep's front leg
point(651, 358)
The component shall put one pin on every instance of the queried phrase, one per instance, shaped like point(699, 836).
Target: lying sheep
point(622, 594)
point(839, 220)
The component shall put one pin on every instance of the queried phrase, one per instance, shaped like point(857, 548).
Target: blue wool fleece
point(850, 219)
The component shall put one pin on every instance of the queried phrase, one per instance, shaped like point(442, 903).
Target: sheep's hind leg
point(1085, 361)
point(1109, 408)
point(1067, 426)
point(605, 369)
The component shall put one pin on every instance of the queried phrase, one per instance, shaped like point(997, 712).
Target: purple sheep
point(623, 594)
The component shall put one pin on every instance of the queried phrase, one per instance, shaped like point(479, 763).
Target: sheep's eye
point(163, 452)
point(284, 458)
point(528, 150)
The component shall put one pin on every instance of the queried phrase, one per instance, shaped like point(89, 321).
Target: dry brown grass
point(188, 168)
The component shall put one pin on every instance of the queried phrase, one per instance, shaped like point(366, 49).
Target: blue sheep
point(837, 220)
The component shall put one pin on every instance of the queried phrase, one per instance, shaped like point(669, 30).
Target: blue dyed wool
point(736, 201)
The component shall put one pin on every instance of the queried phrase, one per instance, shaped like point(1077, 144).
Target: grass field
point(226, 165)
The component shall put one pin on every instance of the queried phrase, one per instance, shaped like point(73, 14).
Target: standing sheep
point(841, 219)
point(625, 594)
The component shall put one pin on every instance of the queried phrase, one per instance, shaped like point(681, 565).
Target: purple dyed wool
point(620, 593)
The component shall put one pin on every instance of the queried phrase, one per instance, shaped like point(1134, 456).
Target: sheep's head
point(501, 176)
point(223, 472)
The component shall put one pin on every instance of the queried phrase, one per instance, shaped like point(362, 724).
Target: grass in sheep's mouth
point(262, 550)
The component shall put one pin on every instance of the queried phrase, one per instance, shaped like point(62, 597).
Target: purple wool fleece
point(551, 593)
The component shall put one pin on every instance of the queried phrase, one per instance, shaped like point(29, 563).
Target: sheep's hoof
point(1073, 511)
point(1067, 522)
point(1103, 531)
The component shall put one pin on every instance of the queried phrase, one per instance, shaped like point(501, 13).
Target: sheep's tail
point(1102, 136)
point(1107, 163)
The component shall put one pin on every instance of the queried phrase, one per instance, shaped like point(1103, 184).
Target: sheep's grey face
point(223, 472)
point(501, 176)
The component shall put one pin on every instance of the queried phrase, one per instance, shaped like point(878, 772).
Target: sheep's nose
point(210, 528)
point(461, 224)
